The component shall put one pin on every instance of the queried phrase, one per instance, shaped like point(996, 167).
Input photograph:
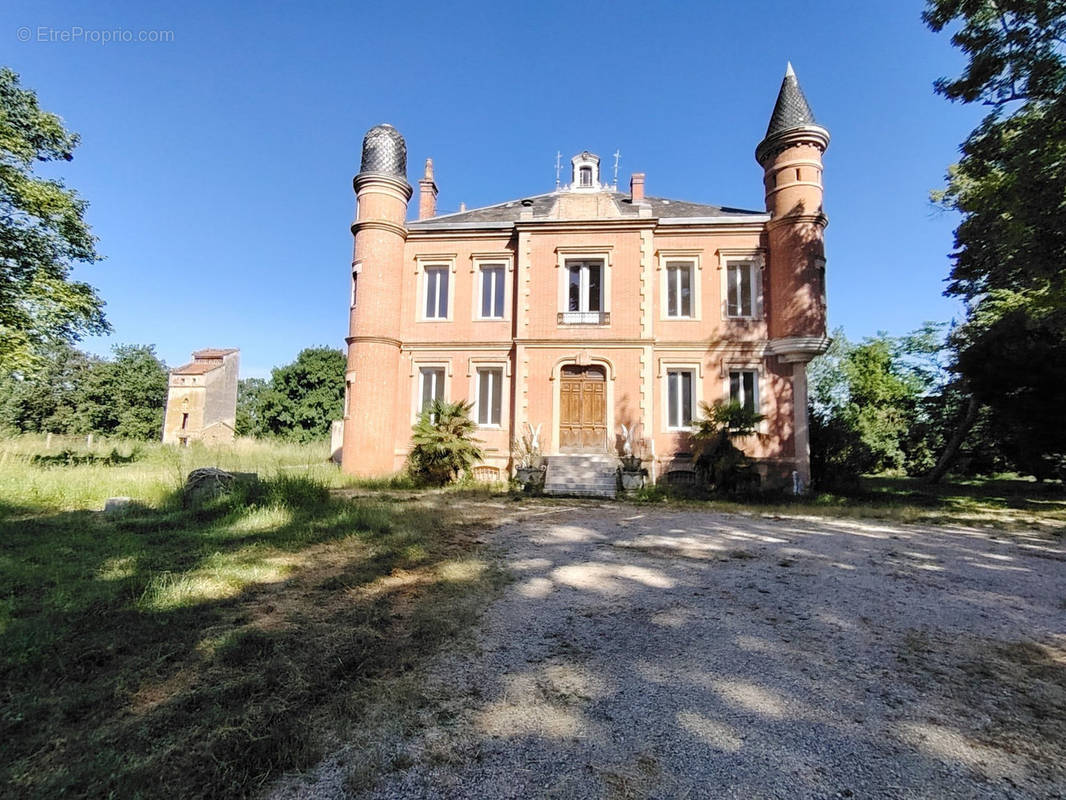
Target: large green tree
point(249, 395)
point(46, 398)
point(874, 404)
point(43, 234)
point(304, 396)
point(125, 396)
point(1009, 261)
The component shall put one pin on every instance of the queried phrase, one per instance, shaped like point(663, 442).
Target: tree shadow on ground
point(661, 653)
point(200, 652)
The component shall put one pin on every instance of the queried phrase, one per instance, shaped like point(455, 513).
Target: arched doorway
point(582, 409)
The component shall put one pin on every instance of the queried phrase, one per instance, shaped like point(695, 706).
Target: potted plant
point(631, 473)
point(528, 460)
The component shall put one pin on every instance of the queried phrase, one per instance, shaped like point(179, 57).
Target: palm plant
point(442, 443)
point(720, 462)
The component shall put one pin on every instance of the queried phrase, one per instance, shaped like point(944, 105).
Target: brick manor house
point(586, 309)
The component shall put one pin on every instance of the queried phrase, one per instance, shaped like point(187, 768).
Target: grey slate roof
point(384, 152)
point(792, 109)
point(542, 204)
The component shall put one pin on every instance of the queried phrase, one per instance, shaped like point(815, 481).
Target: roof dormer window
point(586, 173)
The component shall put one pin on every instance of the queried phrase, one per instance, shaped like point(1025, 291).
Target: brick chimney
point(427, 193)
point(636, 187)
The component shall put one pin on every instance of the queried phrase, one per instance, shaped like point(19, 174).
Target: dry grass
point(200, 652)
point(1002, 697)
point(1007, 503)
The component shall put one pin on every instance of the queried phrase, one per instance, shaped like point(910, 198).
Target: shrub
point(720, 462)
point(442, 443)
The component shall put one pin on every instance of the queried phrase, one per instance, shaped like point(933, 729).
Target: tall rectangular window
point(679, 398)
point(740, 289)
point(585, 286)
point(355, 288)
point(432, 388)
point(437, 292)
point(744, 388)
point(489, 395)
point(679, 289)
point(492, 292)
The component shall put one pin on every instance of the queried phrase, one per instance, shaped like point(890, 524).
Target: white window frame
point(669, 258)
point(756, 388)
point(483, 270)
point(675, 270)
point(696, 369)
point(424, 263)
point(585, 295)
point(570, 255)
point(417, 378)
point(438, 279)
point(761, 379)
point(480, 371)
point(500, 362)
point(755, 258)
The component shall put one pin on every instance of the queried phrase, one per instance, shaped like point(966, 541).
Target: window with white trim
point(744, 388)
point(742, 289)
point(680, 398)
point(436, 284)
point(679, 281)
point(431, 386)
point(355, 288)
point(492, 291)
point(489, 396)
point(584, 286)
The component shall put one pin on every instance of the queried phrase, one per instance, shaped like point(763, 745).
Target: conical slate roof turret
point(792, 112)
point(792, 109)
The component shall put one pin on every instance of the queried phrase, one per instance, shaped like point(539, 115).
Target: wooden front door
point(583, 410)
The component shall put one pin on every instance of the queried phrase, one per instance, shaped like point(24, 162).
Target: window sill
point(583, 318)
point(490, 319)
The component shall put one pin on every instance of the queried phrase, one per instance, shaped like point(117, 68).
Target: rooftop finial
point(789, 72)
point(429, 169)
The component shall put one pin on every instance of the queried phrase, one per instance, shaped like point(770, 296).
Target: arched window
point(584, 175)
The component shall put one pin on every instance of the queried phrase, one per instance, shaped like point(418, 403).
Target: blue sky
point(218, 165)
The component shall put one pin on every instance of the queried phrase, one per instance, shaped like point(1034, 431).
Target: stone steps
point(586, 475)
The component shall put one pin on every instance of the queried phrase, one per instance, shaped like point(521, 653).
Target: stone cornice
point(380, 225)
point(365, 179)
point(806, 134)
point(793, 219)
point(374, 340)
point(798, 348)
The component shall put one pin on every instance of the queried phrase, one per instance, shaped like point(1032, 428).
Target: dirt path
point(650, 653)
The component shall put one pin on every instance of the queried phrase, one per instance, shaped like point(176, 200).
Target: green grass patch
point(200, 651)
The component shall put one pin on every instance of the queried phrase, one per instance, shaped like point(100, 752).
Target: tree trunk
point(951, 452)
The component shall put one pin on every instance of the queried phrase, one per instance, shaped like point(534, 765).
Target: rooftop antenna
point(617, 158)
point(558, 166)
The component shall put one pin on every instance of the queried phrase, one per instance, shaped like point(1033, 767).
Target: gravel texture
point(650, 653)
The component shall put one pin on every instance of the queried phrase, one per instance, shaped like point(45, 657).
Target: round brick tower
point(382, 192)
point(791, 158)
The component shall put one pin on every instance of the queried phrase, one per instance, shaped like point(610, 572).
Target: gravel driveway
point(652, 653)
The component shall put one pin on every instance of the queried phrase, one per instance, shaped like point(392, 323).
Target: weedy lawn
point(1007, 502)
point(194, 652)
